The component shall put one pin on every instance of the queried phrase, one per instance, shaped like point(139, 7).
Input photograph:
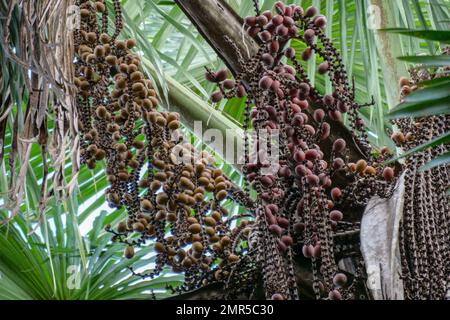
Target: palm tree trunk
point(382, 15)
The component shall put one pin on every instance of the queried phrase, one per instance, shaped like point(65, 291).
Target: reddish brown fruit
point(340, 280)
point(336, 215)
point(336, 193)
point(334, 295)
point(388, 174)
point(361, 166)
point(216, 96)
point(311, 12)
point(320, 22)
point(323, 68)
point(310, 36)
point(265, 83)
point(339, 145)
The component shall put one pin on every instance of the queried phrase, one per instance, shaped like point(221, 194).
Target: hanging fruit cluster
point(425, 226)
point(298, 207)
point(162, 181)
point(174, 196)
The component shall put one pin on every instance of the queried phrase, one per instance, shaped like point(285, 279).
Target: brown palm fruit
point(370, 171)
point(361, 166)
point(101, 112)
point(104, 38)
point(340, 280)
point(121, 84)
point(121, 147)
point(388, 174)
point(217, 247)
point(147, 104)
point(137, 87)
point(84, 13)
point(144, 183)
point(334, 295)
point(161, 121)
point(122, 227)
point(121, 45)
point(192, 220)
point(129, 252)
point(187, 262)
point(210, 231)
point(406, 90)
point(336, 215)
point(409, 137)
point(155, 185)
point(123, 176)
point(185, 183)
point(136, 76)
point(225, 241)
point(132, 68)
point(138, 144)
point(216, 216)
point(113, 198)
point(91, 164)
point(398, 138)
point(320, 22)
point(91, 58)
point(154, 101)
point(221, 195)
point(160, 176)
point(100, 6)
point(197, 246)
point(138, 227)
point(111, 60)
point(216, 97)
point(131, 43)
point(323, 68)
point(91, 37)
point(107, 49)
point(162, 198)
point(123, 67)
point(307, 54)
point(100, 154)
point(171, 217)
point(336, 193)
point(209, 221)
point(99, 51)
point(203, 181)
point(146, 205)
point(339, 145)
point(221, 186)
point(159, 164)
point(134, 164)
point(174, 125)
point(92, 149)
point(199, 198)
point(160, 215)
point(159, 247)
point(404, 82)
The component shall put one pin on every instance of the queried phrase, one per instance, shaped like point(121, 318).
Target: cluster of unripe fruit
point(162, 181)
